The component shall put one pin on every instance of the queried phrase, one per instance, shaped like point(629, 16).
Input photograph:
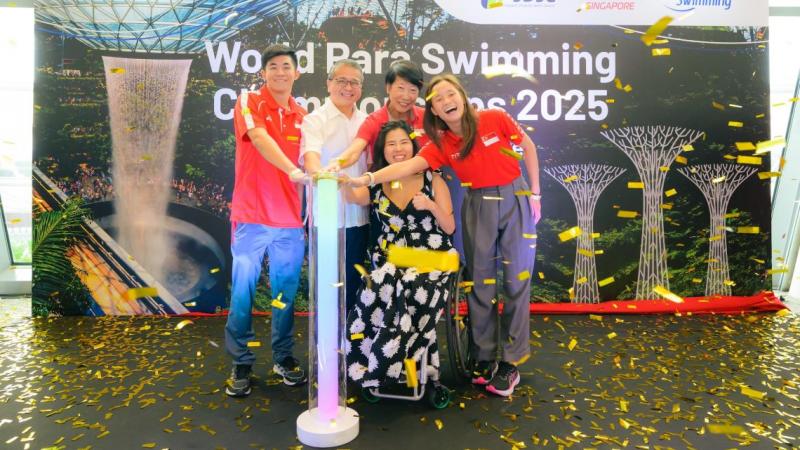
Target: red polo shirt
point(262, 193)
point(372, 126)
point(487, 165)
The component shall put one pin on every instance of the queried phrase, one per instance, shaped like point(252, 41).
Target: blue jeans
point(285, 248)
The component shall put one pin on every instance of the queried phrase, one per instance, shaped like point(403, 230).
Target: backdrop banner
point(654, 148)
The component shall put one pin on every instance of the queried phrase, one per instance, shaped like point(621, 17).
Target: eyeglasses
point(342, 82)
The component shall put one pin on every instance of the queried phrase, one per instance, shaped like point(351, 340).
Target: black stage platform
point(703, 382)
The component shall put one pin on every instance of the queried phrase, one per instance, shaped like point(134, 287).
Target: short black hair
point(378, 158)
point(277, 50)
point(406, 70)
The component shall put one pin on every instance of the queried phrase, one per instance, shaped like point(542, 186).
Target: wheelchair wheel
point(438, 395)
point(368, 396)
point(459, 333)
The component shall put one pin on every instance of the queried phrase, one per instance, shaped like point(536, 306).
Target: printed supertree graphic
point(652, 150)
point(585, 183)
point(717, 182)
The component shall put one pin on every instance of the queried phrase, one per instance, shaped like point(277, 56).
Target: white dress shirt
point(328, 132)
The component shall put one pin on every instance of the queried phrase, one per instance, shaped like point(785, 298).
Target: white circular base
point(313, 431)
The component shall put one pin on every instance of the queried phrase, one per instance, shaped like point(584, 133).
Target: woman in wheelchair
point(398, 308)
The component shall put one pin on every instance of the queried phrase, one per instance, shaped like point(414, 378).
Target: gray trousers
point(493, 239)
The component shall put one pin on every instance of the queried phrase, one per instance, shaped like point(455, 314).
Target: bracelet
point(536, 196)
point(296, 169)
point(371, 177)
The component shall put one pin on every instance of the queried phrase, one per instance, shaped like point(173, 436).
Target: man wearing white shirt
point(326, 133)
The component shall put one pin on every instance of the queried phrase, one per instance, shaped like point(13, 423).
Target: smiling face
point(398, 146)
point(402, 96)
point(280, 74)
point(448, 104)
point(345, 87)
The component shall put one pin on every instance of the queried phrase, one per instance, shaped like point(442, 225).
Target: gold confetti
point(98, 346)
point(681, 160)
point(396, 185)
point(605, 281)
point(524, 275)
point(430, 96)
point(627, 214)
point(745, 146)
point(718, 428)
point(667, 294)
point(718, 106)
point(511, 153)
point(489, 281)
point(635, 185)
point(149, 445)
point(541, 275)
point(136, 293)
point(581, 280)
point(688, 148)
point(569, 234)
point(426, 259)
point(528, 236)
point(356, 336)
point(411, 372)
point(754, 160)
point(585, 252)
point(596, 317)
point(214, 270)
point(611, 335)
point(765, 146)
point(652, 33)
point(253, 344)
point(767, 175)
point(292, 138)
point(117, 70)
point(523, 193)
point(182, 324)
point(718, 179)
point(748, 230)
point(278, 304)
point(413, 135)
point(572, 344)
point(570, 179)
point(627, 88)
point(774, 271)
point(439, 424)
point(661, 52)
point(735, 124)
point(466, 184)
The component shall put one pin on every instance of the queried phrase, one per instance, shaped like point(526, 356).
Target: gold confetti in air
point(512, 70)
point(182, 324)
point(611, 335)
point(427, 259)
point(413, 135)
point(667, 294)
point(605, 281)
point(524, 275)
point(718, 106)
point(748, 230)
point(571, 178)
point(688, 148)
point(395, 185)
point(635, 185)
point(140, 292)
point(765, 146)
point(661, 52)
point(253, 344)
point(627, 214)
point(117, 70)
point(581, 280)
point(571, 233)
point(681, 160)
point(276, 303)
point(541, 275)
point(438, 422)
point(489, 281)
point(735, 124)
point(529, 236)
point(774, 271)
point(511, 153)
point(753, 160)
point(411, 372)
point(767, 175)
point(745, 146)
point(356, 336)
point(718, 179)
point(430, 96)
point(657, 28)
point(214, 270)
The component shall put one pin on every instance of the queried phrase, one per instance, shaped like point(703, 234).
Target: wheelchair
point(459, 349)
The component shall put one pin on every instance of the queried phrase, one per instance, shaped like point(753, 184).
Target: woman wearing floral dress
point(397, 310)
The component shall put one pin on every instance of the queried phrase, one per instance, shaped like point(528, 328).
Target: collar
point(268, 98)
point(331, 111)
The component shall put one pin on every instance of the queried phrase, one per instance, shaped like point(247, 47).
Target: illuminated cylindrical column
point(328, 422)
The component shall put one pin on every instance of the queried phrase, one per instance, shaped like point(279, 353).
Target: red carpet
point(762, 302)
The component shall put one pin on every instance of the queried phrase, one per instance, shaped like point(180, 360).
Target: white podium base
point(318, 433)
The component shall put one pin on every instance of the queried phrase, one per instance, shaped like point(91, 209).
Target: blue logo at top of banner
point(691, 5)
point(491, 4)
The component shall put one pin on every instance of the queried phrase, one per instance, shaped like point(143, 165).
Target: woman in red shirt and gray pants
point(499, 217)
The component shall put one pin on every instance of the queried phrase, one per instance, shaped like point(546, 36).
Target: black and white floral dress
point(397, 314)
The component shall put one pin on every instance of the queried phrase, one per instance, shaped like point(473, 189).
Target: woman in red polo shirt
point(498, 217)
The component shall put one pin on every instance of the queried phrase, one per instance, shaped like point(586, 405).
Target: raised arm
point(392, 172)
point(348, 157)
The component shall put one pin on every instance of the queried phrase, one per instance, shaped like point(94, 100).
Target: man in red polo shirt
point(266, 217)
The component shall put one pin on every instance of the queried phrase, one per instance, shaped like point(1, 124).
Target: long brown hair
point(433, 124)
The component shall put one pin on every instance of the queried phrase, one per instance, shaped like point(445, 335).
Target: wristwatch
point(536, 196)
